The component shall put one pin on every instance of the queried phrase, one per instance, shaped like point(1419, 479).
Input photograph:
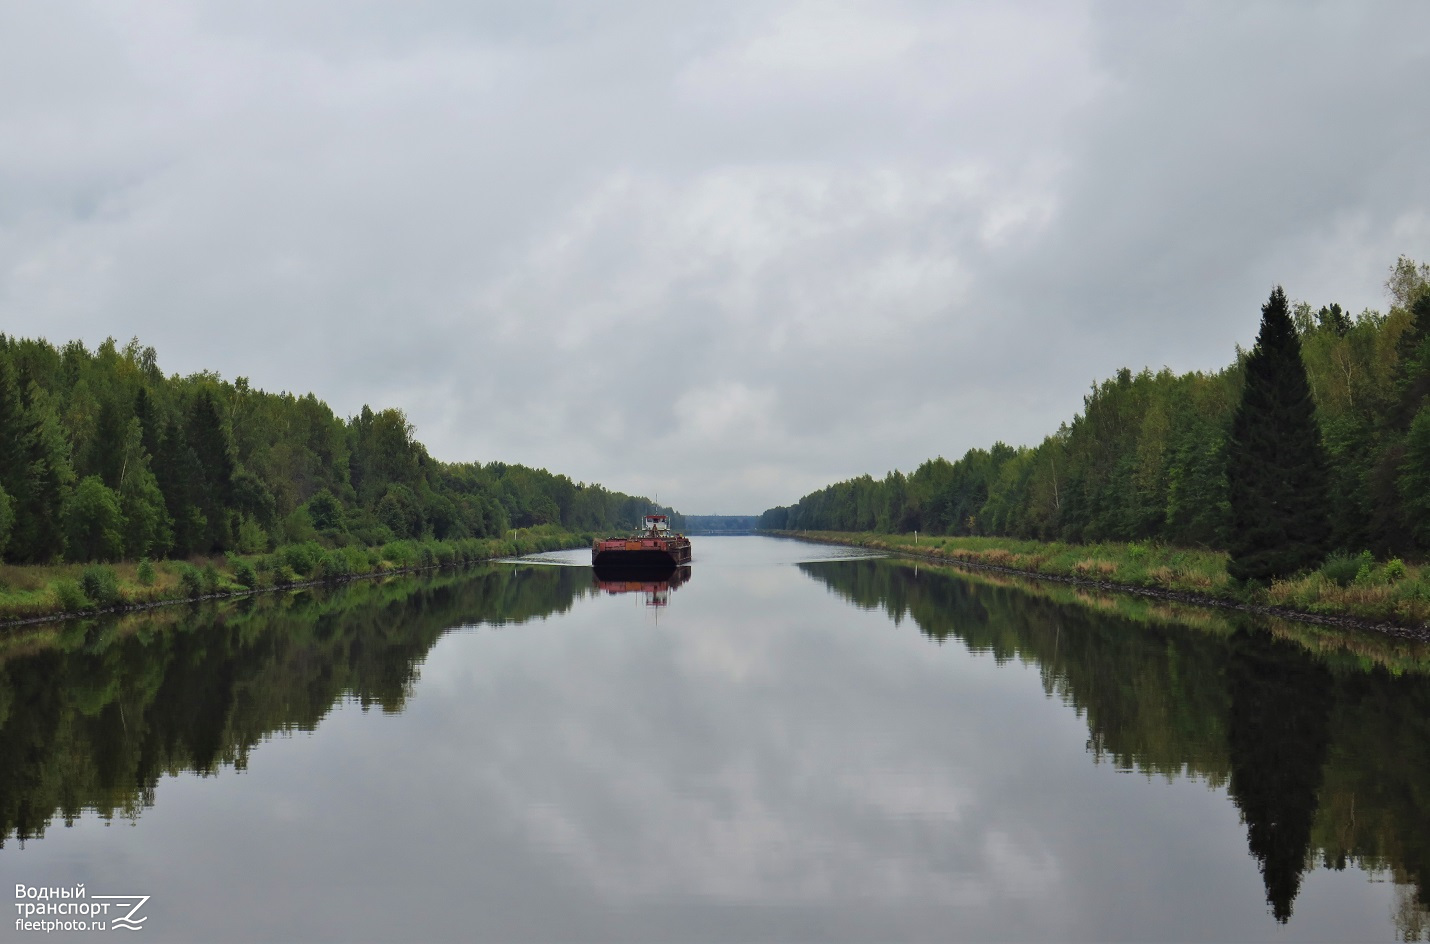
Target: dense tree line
point(102, 457)
point(1147, 458)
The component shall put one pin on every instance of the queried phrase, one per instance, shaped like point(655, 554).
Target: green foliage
point(1344, 569)
point(198, 465)
point(332, 565)
point(93, 523)
point(45, 483)
point(243, 573)
point(400, 553)
point(1276, 468)
point(324, 511)
point(15, 474)
point(370, 532)
point(147, 527)
point(301, 559)
point(252, 539)
point(100, 584)
point(7, 519)
point(400, 512)
point(297, 527)
point(69, 596)
point(320, 564)
point(1147, 459)
point(1414, 481)
point(209, 440)
point(191, 582)
point(1408, 281)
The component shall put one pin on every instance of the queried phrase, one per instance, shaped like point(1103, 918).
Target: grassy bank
point(59, 590)
point(1358, 586)
point(1334, 645)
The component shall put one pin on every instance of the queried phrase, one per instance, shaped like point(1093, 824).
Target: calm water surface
point(786, 746)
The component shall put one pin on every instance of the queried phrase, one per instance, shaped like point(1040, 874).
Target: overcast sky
point(723, 252)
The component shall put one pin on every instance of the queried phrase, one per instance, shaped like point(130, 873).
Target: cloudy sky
point(722, 252)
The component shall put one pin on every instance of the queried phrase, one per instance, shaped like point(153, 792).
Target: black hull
point(650, 560)
point(673, 576)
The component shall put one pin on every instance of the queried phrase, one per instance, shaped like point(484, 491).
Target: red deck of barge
point(654, 546)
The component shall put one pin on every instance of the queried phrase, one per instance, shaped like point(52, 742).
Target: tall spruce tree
point(209, 441)
point(1277, 481)
point(14, 470)
point(45, 452)
point(1413, 381)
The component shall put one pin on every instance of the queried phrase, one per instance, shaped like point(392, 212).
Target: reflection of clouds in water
point(758, 767)
point(876, 839)
point(1020, 871)
point(738, 660)
point(735, 760)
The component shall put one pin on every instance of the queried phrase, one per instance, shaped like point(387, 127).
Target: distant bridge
point(722, 524)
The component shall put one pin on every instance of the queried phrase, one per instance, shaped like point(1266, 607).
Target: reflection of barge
point(655, 545)
point(655, 584)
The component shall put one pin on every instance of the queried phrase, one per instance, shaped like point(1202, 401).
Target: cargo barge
point(653, 547)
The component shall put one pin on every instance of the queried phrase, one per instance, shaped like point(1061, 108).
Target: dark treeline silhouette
point(1323, 755)
point(115, 705)
point(1148, 456)
point(715, 524)
point(102, 457)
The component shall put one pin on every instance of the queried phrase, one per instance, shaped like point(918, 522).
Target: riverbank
point(39, 593)
point(1388, 596)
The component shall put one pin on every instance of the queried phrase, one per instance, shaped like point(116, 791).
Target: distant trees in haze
point(1147, 458)
point(715, 524)
point(103, 457)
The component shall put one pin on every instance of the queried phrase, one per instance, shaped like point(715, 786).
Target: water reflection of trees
point(1323, 752)
point(93, 715)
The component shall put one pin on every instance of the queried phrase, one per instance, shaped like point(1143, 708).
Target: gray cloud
point(727, 253)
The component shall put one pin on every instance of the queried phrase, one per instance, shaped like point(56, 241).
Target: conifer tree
point(1415, 477)
point(177, 472)
point(14, 472)
point(209, 441)
point(7, 519)
point(1414, 368)
point(44, 451)
point(1276, 468)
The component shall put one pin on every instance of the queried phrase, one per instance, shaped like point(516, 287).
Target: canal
point(798, 743)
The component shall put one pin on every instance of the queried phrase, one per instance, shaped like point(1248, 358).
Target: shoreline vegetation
point(1390, 597)
point(1297, 477)
point(34, 593)
point(1349, 649)
point(121, 487)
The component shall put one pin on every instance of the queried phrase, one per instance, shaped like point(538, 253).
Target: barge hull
point(643, 559)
